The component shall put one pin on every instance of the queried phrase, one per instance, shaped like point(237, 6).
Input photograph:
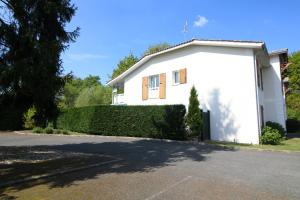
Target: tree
point(294, 71)
point(193, 117)
point(32, 38)
point(95, 95)
point(84, 92)
point(156, 48)
point(130, 60)
point(124, 64)
point(293, 98)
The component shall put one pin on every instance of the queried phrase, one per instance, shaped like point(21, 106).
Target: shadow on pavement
point(138, 156)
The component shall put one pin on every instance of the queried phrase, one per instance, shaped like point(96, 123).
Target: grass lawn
point(292, 144)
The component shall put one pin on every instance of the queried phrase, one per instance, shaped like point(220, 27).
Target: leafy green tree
point(124, 64)
point(156, 48)
point(294, 71)
point(293, 106)
point(95, 95)
point(32, 38)
point(75, 87)
point(193, 117)
point(293, 98)
point(130, 60)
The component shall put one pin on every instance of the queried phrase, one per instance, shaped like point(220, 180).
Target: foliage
point(124, 64)
point(292, 125)
point(38, 130)
point(276, 126)
point(130, 60)
point(29, 122)
point(57, 131)
point(194, 118)
point(294, 71)
point(293, 105)
point(85, 92)
point(270, 136)
point(48, 130)
point(293, 112)
point(96, 95)
point(138, 121)
point(156, 48)
point(32, 37)
point(11, 118)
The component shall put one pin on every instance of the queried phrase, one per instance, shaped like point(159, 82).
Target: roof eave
point(251, 45)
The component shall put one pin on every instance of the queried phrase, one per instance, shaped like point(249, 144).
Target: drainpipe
point(257, 96)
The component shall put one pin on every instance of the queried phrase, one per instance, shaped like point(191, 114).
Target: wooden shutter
point(145, 88)
point(182, 76)
point(162, 86)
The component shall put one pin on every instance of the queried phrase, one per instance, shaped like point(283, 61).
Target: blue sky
point(111, 29)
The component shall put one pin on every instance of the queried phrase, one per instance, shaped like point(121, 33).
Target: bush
point(37, 130)
point(270, 136)
point(48, 130)
point(65, 132)
point(194, 118)
point(276, 126)
point(57, 131)
point(28, 116)
point(138, 121)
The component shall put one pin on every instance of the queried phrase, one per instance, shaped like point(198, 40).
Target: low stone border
point(33, 178)
point(194, 142)
point(114, 137)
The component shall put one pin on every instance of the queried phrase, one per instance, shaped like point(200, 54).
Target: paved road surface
point(161, 170)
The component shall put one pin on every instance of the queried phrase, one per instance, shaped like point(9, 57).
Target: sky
point(112, 29)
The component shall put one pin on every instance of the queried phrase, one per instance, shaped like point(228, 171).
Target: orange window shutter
point(182, 76)
point(145, 88)
point(162, 86)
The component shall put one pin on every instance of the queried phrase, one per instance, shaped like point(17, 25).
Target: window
point(153, 86)
point(176, 79)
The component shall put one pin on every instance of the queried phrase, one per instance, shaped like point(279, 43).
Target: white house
point(239, 82)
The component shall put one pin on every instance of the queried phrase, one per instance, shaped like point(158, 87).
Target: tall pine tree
point(32, 38)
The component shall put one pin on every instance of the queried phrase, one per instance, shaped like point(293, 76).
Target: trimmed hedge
point(139, 121)
point(10, 118)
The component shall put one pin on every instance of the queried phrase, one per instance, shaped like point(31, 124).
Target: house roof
point(279, 51)
point(200, 42)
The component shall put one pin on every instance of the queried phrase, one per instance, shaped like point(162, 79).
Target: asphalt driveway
point(149, 169)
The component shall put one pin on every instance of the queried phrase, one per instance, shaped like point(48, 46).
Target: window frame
point(153, 86)
point(174, 77)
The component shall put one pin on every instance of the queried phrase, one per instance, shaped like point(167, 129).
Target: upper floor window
point(176, 79)
point(153, 86)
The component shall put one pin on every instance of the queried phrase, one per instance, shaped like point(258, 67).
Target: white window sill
point(175, 84)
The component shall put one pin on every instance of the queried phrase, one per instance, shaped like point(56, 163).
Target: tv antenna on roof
point(185, 30)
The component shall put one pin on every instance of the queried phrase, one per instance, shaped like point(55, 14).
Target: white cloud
point(200, 21)
point(85, 56)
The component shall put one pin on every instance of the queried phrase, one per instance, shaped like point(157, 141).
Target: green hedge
point(138, 121)
point(10, 118)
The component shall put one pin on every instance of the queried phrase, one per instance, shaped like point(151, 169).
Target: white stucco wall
point(224, 78)
point(273, 96)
